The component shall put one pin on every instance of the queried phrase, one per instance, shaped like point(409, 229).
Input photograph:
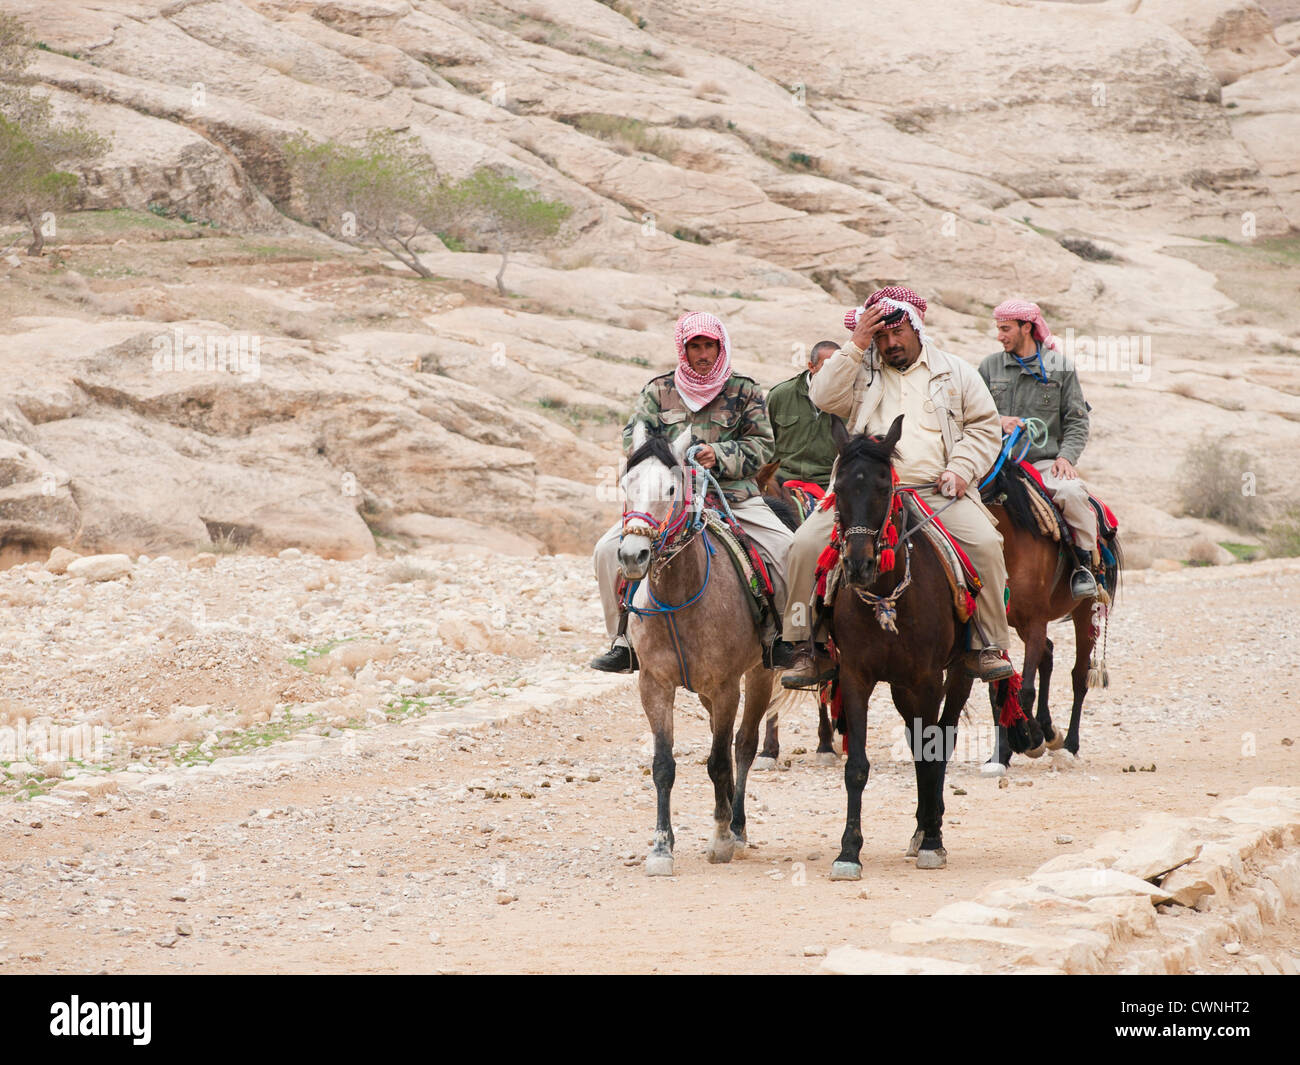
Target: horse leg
point(1035, 644)
point(722, 718)
point(758, 693)
point(1084, 640)
point(856, 692)
point(771, 741)
point(1055, 737)
point(932, 770)
point(657, 701)
point(997, 764)
point(826, 752)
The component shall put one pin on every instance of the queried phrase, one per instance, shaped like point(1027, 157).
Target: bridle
point(668, 538)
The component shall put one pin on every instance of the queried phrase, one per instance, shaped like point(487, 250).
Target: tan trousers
point(1072, 498)
point(768, 532)
point(970, 525)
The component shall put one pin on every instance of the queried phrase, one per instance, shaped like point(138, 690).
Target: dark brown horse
point(892, 624)
point(800, 503)
point(1038, 579)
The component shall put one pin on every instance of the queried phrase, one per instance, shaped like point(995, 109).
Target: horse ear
point(839, 433)
point(766, 473)
point(680, 445)
point(895, 431)
point(640, 434)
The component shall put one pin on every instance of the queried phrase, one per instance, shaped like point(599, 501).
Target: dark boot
point(618, 659)
point(1083, 585)
point(808, 670)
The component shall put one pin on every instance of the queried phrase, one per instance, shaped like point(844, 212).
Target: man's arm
point(831, 388)
point(981, 440)
point(741, 457)
point(1074, 419)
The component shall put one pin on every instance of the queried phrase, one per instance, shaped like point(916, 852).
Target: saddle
point(749, 564)
point(1052, 523)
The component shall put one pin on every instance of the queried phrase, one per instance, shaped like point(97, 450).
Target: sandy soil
point(435, 844)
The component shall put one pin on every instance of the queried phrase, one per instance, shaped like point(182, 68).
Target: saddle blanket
point(1051, 522)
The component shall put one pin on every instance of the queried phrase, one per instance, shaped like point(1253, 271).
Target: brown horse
point(1038, 579)
point(800, 503)
point(892, 622)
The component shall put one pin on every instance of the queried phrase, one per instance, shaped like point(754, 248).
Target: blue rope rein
point(1035, 433)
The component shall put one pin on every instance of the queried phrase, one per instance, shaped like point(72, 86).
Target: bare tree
point(507, 216)
point(34, 148)
point(385, 193)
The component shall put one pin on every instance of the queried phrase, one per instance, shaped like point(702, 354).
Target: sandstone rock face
point(982, 149)
point(1234, 36)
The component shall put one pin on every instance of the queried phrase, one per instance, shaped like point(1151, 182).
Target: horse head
point(864, 498)
point(655, 490)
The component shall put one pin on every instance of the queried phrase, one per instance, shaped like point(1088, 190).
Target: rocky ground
point(403, 765)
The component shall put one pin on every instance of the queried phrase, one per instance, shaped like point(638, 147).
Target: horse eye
point(671, 489)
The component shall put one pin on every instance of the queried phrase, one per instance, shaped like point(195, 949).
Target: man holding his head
point(951, 436)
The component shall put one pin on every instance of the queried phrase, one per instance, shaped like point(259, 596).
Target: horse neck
point(684, 574)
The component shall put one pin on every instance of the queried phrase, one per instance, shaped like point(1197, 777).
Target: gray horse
point(692, 628)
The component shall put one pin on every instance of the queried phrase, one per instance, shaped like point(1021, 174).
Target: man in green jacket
point(801, 429)
point(726, 412)
point(1026, 384)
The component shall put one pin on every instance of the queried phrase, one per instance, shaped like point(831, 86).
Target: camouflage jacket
point(734, 422)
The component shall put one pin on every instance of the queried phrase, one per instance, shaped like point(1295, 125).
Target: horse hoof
point(935, 859)
point(827, 758)
point(914, 847)
point(721, 851)
point(846, 871)
point(993, 769)
point(1036, 752)
point(659, 865)
point(763, 764)
point(1057, 741)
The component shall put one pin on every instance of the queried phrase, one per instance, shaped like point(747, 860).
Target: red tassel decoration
point(1010, 712)
point(886, 560)
point(827, 559)
point(891, 535)
point(970, 605)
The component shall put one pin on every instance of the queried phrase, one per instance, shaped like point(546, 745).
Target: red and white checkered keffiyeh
point(1024, 311)
point(696, 391)
point(892, 294)
point(898, 297)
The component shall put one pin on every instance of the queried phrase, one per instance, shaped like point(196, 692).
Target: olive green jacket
point(1058, 403)
point(734, 423)
point(804, 447)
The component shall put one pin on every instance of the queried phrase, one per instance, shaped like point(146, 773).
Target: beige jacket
point(963, 413)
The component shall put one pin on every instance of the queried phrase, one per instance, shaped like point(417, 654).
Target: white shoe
point(993, 769)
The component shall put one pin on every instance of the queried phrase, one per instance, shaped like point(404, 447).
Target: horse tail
point(1111, 580)
point(782, 700)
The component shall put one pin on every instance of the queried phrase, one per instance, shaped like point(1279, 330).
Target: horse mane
point(655, 447)
point(1016, 503)
point(867, 447)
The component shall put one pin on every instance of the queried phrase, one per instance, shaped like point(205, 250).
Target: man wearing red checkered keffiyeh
point(1026, 384)
point(890, 367)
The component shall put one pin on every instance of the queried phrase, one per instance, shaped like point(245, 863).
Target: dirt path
point(517, 847)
